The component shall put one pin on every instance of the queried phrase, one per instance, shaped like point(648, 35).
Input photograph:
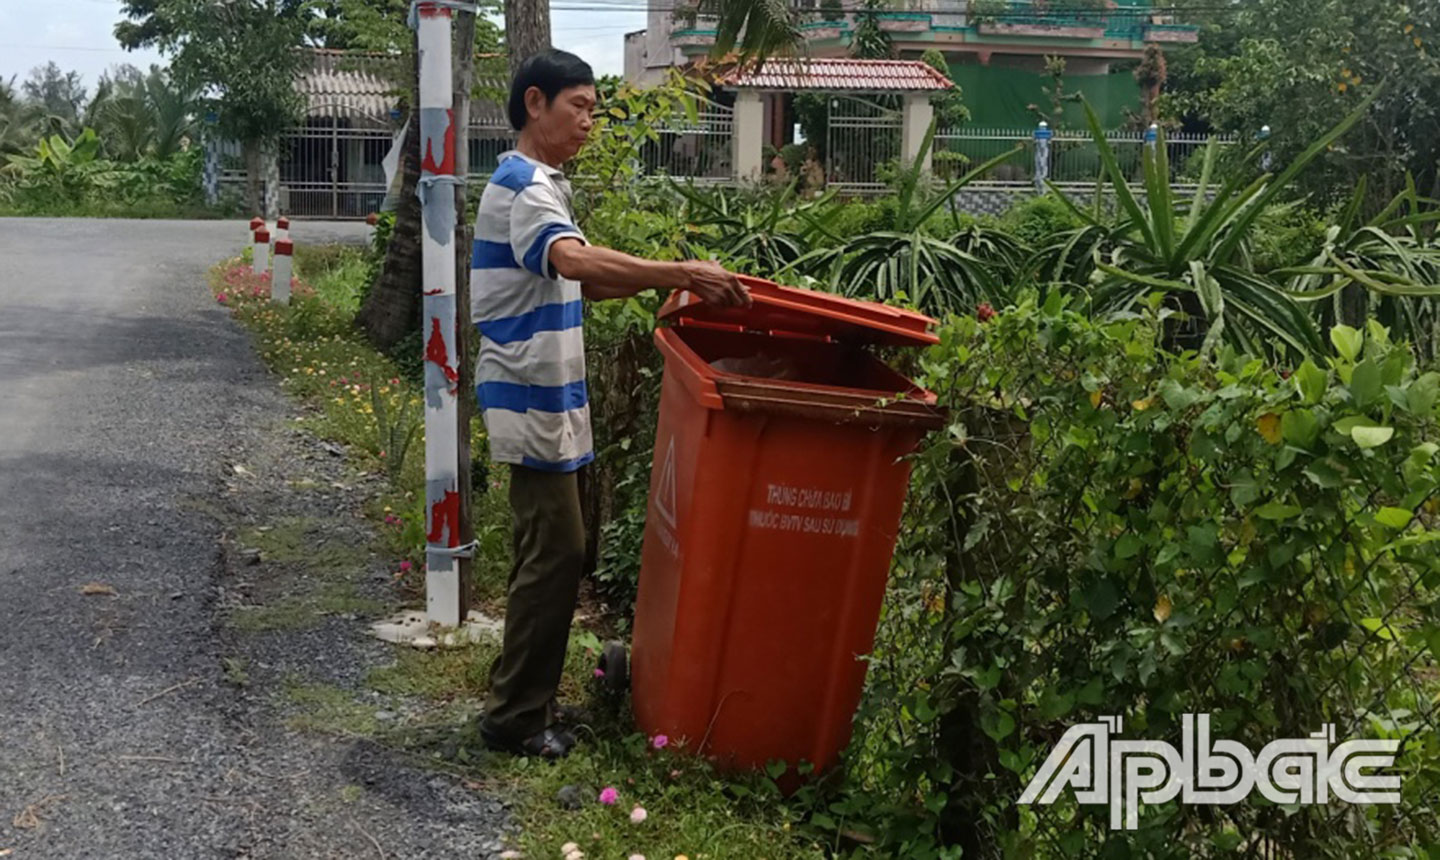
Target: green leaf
point(822, 821)
point(1300, 427)
point(1348, 342)
point(776, 769)
point(1324, 475)
point(1365, 384)
point(1278, 511)
point(998, 724)
point(1395, 518)
point(1311, 381)
point(1371, 437)
point(1128, 546)
point(1423, 393)
point(1177, 396)
point(988, 678)
point(1101, 598)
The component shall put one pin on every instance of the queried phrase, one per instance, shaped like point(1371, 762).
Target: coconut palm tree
point(754, 29)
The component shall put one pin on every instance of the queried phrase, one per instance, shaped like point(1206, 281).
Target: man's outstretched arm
point(608, 274)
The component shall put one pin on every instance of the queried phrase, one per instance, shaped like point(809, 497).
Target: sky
point(79, 35)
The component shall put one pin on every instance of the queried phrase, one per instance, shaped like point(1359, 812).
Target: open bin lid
point(787, 311)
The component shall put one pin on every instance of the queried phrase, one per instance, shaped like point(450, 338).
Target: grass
point(329, 709)
point(302, 540)
point(151, 208)
point(324, 568)
point(322, 361)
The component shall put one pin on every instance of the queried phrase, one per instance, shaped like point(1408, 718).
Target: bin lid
point(809, 313)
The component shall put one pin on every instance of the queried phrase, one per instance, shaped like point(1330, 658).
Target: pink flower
point(221, 298)
point(638, 815)
point(405, 567)
point(660, 742)
point(599, 673)
point(395, 382)
point(609, 796)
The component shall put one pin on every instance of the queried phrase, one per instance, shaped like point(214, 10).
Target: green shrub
point(1286, 235)
point(1107, 529)
point(70, 178)
point(1035, 220)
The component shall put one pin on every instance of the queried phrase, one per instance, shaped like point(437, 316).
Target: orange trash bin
point(775, 500)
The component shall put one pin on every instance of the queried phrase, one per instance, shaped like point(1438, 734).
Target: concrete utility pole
point(437, 199)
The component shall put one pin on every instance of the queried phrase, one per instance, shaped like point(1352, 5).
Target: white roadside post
point(282, 228)
point(284, 269)
point(371, 221)
point(256, 224)
point(262, 251)
point(437, 202)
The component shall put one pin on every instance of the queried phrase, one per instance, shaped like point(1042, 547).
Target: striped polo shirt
point(530, 374)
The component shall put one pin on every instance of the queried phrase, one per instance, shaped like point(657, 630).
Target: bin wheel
point(615, 663)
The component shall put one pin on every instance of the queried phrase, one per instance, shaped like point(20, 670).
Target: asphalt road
point(120, 379)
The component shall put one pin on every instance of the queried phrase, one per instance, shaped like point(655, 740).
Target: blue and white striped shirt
point(530, 374)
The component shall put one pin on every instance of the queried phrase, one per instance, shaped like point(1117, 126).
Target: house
point(333, 163)
point(996, 49)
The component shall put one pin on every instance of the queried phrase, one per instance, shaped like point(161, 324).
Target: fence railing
point(1072, 155)
point(700, 150)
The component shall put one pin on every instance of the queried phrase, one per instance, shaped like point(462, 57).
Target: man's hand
point(714, 285)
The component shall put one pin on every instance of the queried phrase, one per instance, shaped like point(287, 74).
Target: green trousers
point(549, 549)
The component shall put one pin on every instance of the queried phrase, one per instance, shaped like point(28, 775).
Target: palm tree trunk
point(392, 310)
point(527, 30)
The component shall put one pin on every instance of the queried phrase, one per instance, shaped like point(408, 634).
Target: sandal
point(554, 742)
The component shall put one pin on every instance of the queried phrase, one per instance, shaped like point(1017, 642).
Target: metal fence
point(334, 167)
point(863, 138)
point(700, 150)
point(1073, 155)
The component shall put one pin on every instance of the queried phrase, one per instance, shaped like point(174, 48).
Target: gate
point(862, 142)
point(333, 166)
point(698, 149)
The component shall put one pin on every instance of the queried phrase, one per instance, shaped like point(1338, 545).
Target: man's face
point(564, 124)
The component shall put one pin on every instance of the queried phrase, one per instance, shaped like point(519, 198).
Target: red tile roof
point(838, 74)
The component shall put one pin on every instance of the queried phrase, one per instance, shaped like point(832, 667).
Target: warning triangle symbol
point(665, 490)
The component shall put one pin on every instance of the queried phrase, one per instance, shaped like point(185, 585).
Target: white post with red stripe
point(442, 413)
point(261, 262)
point(284, 270)
point(282, 228)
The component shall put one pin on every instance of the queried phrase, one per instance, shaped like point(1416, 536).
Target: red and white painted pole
point(371, 221)
point(442, 412)
point(284, 270)
point(261, 262)
point(282, 228)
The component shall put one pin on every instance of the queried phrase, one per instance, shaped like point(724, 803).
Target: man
point(530, 267)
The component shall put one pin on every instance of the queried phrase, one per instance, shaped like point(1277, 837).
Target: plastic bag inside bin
point(762, 365)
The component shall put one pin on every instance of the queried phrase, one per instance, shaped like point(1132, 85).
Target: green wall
point(998, 96)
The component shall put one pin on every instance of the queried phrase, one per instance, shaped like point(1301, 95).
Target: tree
point(242, 55)
point(19, 120)
point(58, 94)
point(755, 29)
point(1150, 75)
point(391, 310)
point(144, 114)
point(871, 42)
point(950, 109)
point(381, 25)
point(1295, 65)
point(527, 30)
